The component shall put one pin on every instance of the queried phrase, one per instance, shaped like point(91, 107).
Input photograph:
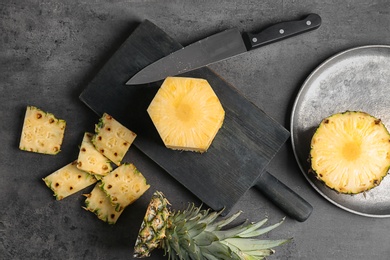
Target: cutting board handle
point(283, 197)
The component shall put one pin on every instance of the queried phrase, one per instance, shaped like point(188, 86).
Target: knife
point(221, 46)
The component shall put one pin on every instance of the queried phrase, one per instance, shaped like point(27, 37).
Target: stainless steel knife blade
point(220, 46)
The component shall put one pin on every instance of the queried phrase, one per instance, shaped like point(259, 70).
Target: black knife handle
point(282, 31)
point(283, 197)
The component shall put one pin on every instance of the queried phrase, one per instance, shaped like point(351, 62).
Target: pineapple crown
point(199, 234)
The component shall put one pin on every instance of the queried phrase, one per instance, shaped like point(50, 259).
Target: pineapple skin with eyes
point(90, 159)
point(112, 139)
point(42, 132)
point(98, 203)
point(68, 180)
point(186, 113)
point(350, 152)
point(124, 185)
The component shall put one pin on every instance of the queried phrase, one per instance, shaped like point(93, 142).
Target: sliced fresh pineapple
point(112, 139)
point(90, 159)
point(98, 203)
point(124, 185)
point(68, 180)
point(350, 152)
point(187, 113)
point(42, 132)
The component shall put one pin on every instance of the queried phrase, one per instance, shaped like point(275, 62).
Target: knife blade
point(219, 47)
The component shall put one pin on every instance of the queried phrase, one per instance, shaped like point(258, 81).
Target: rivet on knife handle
point(282, 31)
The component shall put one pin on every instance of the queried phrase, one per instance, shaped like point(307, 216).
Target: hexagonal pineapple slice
point(42, 132)
point(90, 159)
point(112, 139)
point(187, 113)
point(68, 180)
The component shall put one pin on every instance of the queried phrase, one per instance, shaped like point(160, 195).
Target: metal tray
point(357, 79)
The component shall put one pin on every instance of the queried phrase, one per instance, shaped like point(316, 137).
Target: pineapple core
point(186, 113)
point(350, 152)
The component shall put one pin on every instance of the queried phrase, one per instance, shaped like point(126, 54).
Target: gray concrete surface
point(49, 51)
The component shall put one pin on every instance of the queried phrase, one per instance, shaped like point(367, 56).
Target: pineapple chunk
point(68, 180)
point(186, 113)
point(350, 152)
point(98, 203)
point(124, 185)
point(90, 159)
point(112, 139)
point(42, 132)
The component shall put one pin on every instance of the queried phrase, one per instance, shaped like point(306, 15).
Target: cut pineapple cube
point(350, 152)
point(68, 180)
point(42, 132)
point(112, 139)
point(124, 185)
point(186, 113)
point(90, 159)
point(98, 203)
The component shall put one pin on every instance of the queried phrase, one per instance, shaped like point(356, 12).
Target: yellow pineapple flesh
point(112, 139)
point(186, 113)
point(350, 152)
point(98, 203)
point(42, 132)
point(68, 180)
point(124, 185)
point(90, 159)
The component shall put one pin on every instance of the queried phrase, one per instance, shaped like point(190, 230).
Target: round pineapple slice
point(350, 152)
point(186, 113)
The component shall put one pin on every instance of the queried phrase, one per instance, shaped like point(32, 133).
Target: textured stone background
point(49, 51)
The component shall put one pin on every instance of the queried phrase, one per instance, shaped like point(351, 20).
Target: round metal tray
point(357, 79)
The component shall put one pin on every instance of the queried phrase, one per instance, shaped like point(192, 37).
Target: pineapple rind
point(68, 180)
point(360, 142)
point(124, 185)
point(98, 203)
point(153, 226)
point(199, 234)
point(112, 139)
point(186, 113)
point(42, 132)
point(91, 160)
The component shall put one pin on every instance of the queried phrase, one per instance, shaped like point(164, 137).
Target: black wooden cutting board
point(241, 150)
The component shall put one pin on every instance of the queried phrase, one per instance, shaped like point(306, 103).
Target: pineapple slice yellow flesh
point(90, 159)
point(42, 132)
point(68, 180)
point(112, 139)
point(186, 113)
point(124, 185)
point(350, 152)
point(98, 203)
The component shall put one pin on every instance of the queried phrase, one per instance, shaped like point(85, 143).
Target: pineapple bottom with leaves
point(350, 152)
point(199, 234)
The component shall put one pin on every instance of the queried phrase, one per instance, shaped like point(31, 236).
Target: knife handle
point(283, 197)
point(282, 31)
